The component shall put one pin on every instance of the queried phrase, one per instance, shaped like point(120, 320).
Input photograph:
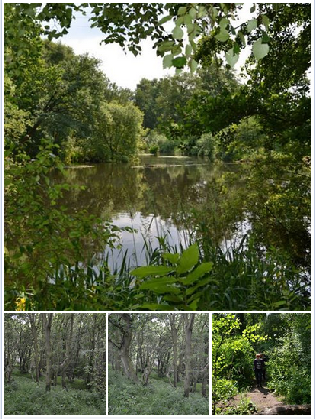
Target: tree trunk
point(189, 329)
point(36, 350)
point(205, 372)
point(125, 348)
point(67, 359)
point(47, 322)
point(174, 331)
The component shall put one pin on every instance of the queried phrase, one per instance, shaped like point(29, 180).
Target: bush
point(239, 141)
point(154, 149)
point(159, 142)
point(289, 369)
point(205, 145)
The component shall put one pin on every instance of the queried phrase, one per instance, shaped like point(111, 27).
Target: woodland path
point(261, 397)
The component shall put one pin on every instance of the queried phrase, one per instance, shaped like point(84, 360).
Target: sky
point(121, 67)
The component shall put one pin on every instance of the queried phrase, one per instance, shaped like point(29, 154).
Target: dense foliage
point(158, 364)
point(54, 364)
point(286, 341)
point(61, 109)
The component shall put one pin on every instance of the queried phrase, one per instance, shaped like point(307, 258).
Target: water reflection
point(155, 197)
point(176, 197)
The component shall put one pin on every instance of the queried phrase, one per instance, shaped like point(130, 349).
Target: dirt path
point(261, 397)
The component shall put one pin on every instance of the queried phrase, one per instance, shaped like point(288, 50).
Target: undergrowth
point(24, 397)
point(158, 398)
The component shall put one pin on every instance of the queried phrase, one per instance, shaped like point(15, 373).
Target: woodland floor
point(24, 397)
point(158, 398)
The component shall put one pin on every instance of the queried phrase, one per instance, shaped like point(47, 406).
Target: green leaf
point(179, 21)
point(165, 46)
point(165, 19)
point(179, 62)
point(151, 271)
point(187, 20)
point(178, 33)
point(253, 8)
point(224, 23)
point(181, 11)
point(251, 25)
point(168, 60)
point(195, 297)
point(188, 50)
point(197, 273)
point(193, 13)
point(189, 259)
point(200, 284)
point(265, 21)
point(222, 36)
point(231, 57)
point(265, 38)
point(242, 38)
point(202, 12)
point(193, 65)
point(163, 289)
point(155, 282)
point(172, 298)
point(194, 304)
point(171, 257)
point(260, 50)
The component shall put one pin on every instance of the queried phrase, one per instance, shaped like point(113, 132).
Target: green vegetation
point(156, 399)
point(159, 364)
point(24, 397)
point(61, 109)
point(285, 339)
point(54, 364)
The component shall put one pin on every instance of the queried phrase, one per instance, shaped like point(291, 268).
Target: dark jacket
point(259, 365)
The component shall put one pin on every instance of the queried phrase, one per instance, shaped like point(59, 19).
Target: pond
point(154, 197)
point(172, 199)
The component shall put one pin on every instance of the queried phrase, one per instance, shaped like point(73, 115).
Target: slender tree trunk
point(32, 319)
point(189, 329)
point(47, 322)
point(205, 372)
point(174, 331)
point(67, 359)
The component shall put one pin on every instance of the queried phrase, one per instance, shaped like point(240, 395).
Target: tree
point(189, 323)
point(47, 322)
point(279, 85)
point(117, 133)
point(34, 327)
point(174, 330)
point(124, 326)
point(163, 363)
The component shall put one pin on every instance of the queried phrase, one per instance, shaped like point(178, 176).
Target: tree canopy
point(285, 341)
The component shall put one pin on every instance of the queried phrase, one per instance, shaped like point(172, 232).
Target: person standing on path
point(259, 365)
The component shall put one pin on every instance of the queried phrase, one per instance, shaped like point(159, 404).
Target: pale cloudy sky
point(123, 68)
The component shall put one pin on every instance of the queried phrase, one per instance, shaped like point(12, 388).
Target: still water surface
point(153, 197)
